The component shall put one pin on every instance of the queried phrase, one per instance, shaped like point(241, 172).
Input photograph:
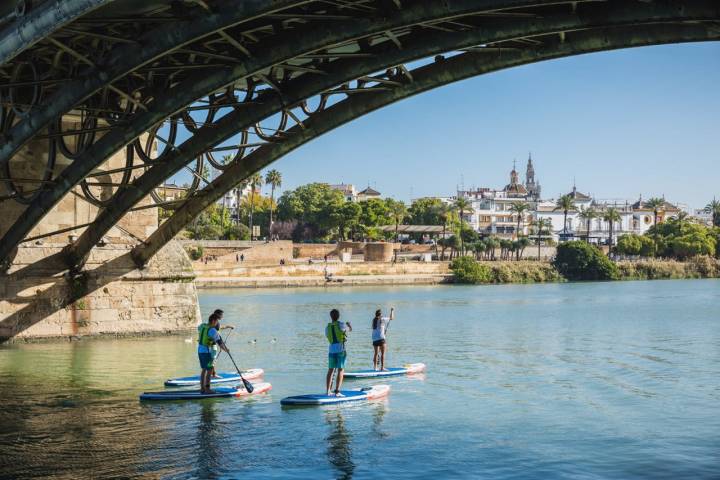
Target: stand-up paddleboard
point(219, 392)
point(223, 377)
point(408, 369)
point(356, 395)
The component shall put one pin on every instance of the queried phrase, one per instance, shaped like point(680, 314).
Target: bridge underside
point(103, 100)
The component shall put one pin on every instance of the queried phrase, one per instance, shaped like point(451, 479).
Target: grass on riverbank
point(468, 270)
point(653, 269)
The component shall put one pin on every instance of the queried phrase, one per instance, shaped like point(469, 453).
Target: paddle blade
point(248, 386)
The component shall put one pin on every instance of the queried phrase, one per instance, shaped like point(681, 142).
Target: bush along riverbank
point(578, 260)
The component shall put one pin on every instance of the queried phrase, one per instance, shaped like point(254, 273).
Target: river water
point(580, 380)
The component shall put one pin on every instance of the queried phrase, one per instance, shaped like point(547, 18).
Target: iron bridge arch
point(134, 74)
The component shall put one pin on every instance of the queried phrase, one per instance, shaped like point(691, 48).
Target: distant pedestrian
point(237, 258)
point(242, 257)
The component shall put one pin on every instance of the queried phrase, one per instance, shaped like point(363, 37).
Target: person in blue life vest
point(208, 335)
point(379, 328)
point(336, 333)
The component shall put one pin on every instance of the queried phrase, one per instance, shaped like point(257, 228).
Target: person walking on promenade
point(336, 333)
point(379, 328)
point(207, 337)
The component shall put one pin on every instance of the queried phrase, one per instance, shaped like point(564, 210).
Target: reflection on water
point(339, 440)
point(605, 380)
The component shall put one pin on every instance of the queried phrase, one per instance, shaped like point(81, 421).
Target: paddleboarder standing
point(208, 336)
point(336, 333)
point(379, 328)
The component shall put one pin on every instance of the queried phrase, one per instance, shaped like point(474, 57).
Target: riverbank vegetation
point(579, 260)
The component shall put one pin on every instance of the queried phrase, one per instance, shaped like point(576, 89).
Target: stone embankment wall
point(111, 297)
point(303, 274)
point(39, 298)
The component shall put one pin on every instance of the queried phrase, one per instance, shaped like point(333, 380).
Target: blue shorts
point(206, 360)
point(337, 360)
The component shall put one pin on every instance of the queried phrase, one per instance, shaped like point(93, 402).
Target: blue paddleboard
point(218, 392)
point(408, 369)
point(222, 377)
point(355, 395)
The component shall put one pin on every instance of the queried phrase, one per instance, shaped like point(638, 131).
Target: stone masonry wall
point(111, 297)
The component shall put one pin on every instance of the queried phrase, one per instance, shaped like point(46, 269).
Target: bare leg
point(328, 380)
point(338, 382)
point(203, 377)
point(375, 356)
point(383, 347)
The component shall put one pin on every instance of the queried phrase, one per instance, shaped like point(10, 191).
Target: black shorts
point(377, 343)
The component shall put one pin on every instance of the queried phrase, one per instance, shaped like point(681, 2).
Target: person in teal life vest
point(214, 350)
point(208, 336)
point(336, 333)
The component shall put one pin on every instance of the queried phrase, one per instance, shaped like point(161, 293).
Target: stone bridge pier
point(40, 297)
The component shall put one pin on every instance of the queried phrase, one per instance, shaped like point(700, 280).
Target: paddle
point(225, 340)
point(248, 385)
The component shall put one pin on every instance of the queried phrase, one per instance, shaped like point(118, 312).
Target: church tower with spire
point(532, 186)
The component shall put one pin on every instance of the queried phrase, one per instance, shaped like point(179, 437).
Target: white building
point(635, 218)
point(352, 195)
point(491, 212)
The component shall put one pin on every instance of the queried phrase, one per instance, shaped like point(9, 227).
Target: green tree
point(426, 211)
point(479, 247)
point(349, 219)
point(566, 204)
point(314, 206)
point(398, 211)
point(519, 209)
point(468, 270)
point(274, 179)
point(375, 212)
point(577, 260)
point(612, 216)
point(713, 208)
point(462, 206)
point(628, 245)
point(492, 243)
point(587, 215)
point(542, 227)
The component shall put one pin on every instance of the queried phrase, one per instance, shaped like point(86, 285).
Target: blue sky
point(621, 123)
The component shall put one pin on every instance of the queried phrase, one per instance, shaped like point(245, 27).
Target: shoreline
point(202, 283)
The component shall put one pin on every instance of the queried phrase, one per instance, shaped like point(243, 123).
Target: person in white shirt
point(379, 328)
point(336, 333)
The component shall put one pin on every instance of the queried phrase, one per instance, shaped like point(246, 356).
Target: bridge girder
point(425, 78)
point(300, 89)
point(188, 91)
point(28, 28)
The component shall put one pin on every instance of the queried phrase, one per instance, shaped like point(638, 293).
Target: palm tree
point(541, 225)
point(522, 245)
point(611, 216)
point(238, 195)
point(714, 209)
point(274, 179)
point(479, 247)
point(655, 204)
point(256, 181)
point(681, 217)
point(565, 203)
point(442, 212)
point(588, 214)
point(519, 209)
point(462, 205)
point(225, 160)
